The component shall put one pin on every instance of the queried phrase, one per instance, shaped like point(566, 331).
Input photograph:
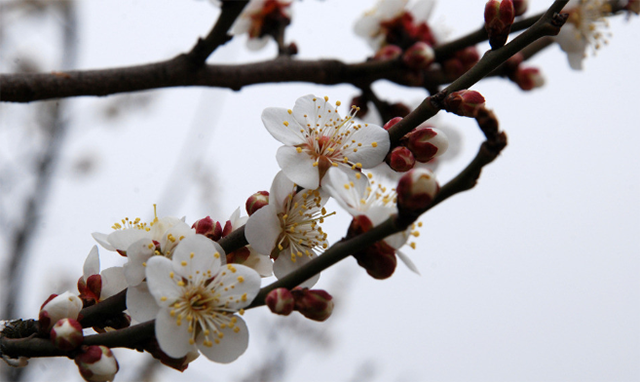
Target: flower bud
point(528, 78)
point(416, 190)
point(520, 7)
point(461, 62)
point(379, 259)
point(419, 56)
point(426, 143)
point(401, 159)
point(315, 304)
point(257, 201)
point(66, 334)
point(209, 228)
point(498, 18)
point(280, 301)
point(57, 307)
point(90, 290)
point(391, 122)
point(97, 363)
point(388, 52)
point(464, 103)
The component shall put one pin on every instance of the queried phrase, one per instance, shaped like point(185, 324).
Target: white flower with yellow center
point(583, 29)
point(198, 299)
point(316, 138)
point(358, 196)
point(288, 228)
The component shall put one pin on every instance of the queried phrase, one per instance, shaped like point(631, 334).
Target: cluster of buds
point(498, 18)
point(420, 145)
point(460, 62)
point(464, 103)
point(314, 304)
point(378, 259)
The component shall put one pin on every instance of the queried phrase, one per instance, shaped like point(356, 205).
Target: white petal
point(407, 261)
point(421, 10)
point(337, 183)
point(274, 119)
point(162, 286)
point(236, 286)
point(197, 258)
point(257, 43)
point(122, 239)
point(298, 167)
point(231, 346)
point(259, 263)
point(172, 338)
point(262, 229)
point(141, 304)
point(91, 264)
point(283, 266)
point(236, 220)
point(101, 238)
point(367, 155)
point(113, 282)
point(313, 112)
point(172, 237)
point(281, 188)
point(138, 253)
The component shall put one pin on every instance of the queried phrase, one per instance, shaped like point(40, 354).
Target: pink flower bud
point(257, 201)
point(90, 289)
point(416, 190)
point(57, 307)
point(426, 143)
point(401, 159)
point(528, 78)
point(419, 56)
point(280, 301)
point(388, 52)
point(315, 304)
point(498, 18)
point(520, 7)
point(391, 122)
point(464, 103)
point(66, 334)
point(378, 259)
point(97, 363)
point(209, 228)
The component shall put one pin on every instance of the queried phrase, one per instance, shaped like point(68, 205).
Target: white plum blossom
point(257, 261)
point(112, 279)
point(583, 29)
point(198, 297)
point(288, 227)
point(255, 15)
point(358, 197)
point(316, 138)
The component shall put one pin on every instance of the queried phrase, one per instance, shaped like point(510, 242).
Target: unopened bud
point(280, 301)
point(426, 143)
point(391, 122)
point(461, 62)
point(401, 159)
point(57, 307)
point(378, 259)
point(464, 103)
point(66, 334)
point(498, 18)
point(257, 201)
point(419, 56)
point(209, 228)
point(528, 78)
point(416, 190)
point(388, 52)
point(97, 363)
point(315, 304)
point(520, 7)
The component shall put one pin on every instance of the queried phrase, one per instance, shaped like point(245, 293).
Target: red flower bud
point(426, 143)
point(315, 304)
point(400, 159)
point(464, 103)
point(419, 56)
point(280, 301)
point(388, 52)
point(528, 78)
point(209, 228)
point(257, 201)
point(378, 259)
point(97, 363)
point(66, 334)
point(416, 190)
point(57, 307)
point(498, 18)
point(391, 122)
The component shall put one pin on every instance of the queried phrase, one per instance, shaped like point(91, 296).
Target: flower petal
point(197, 258)
point(162, 281)
point(102, 239)
point(138, 253)
point(274, 119)
point(313, 112)
point(407, 261)
point(91, 264)
point(236, 286)
point(298, 167)
point(283, 266)
point(113, 282)
point(172, 338)
point(375, 146)
point(231, 346)
point(141, 304)
point(281, 188)
point(262, 229)
point(122, 239)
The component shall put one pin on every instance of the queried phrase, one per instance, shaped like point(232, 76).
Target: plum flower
point(582, 29)
point(259, 19)
point(95, 286)
point(316, 138)
point(358, 197)
point(288, 227)
point(198, 299)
